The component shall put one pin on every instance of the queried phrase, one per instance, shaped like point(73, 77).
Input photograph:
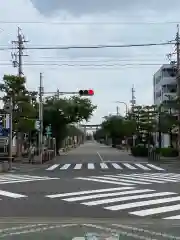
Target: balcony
point(168, 96)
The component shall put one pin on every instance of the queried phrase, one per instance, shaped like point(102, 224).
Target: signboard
point(4, 131)
point(48, 130)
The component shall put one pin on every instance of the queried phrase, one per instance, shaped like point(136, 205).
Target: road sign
point(1, 130)
point(4, 131)
point(48, 130)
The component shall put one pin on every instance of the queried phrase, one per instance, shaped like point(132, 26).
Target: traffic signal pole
point(89, 92)
point(41, 117)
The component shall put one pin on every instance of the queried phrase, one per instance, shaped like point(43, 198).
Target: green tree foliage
point(142, 122)
point(62, 112)
point(115, 127)
point(24, 111)
point(23, 105)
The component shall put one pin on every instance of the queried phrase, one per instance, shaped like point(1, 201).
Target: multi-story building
point(164, 88)
point(164, 84)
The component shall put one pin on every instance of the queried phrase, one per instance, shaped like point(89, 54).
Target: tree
point(23, 105)
point(117, 128)
point(62, 112)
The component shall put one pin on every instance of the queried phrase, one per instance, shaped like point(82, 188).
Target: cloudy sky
point(111, 72)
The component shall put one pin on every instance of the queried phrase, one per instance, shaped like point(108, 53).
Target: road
point(98, 182)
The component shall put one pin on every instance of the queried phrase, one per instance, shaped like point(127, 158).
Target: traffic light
point(89, 92)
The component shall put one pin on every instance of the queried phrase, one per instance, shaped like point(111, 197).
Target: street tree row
point(142, 122)
point(60, 113)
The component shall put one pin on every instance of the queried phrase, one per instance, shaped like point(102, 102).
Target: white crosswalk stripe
point(134, 179)
point(11, 195)
point(105, 166)
point(138, 202)
point(15, 178)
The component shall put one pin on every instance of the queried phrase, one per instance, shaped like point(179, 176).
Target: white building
point(164, 88)
point(164, 84)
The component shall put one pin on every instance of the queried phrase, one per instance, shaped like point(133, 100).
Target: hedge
point(142, 151)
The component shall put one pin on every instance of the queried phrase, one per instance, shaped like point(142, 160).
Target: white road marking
point(14, 178)
point(78, 166)
point(103, 165)
point(143, 203)
point(102, 160)
point(119, 179)
point(121, 233)
point(95, 179)
point(129, 166)
point(121, 199)
point(142, 230)
point(39, 228)
point(21, 227)
point(144, 179)
point(142, 166)
point(53, 167)
point(176, 217)
point(116, 166)
point(65, 166)
point(73, 199)
point(155, 167)
point(91, 166)
point(11, 195)
point(157, 210)
point(87, 192)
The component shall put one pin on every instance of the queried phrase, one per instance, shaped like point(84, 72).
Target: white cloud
point(110, 83)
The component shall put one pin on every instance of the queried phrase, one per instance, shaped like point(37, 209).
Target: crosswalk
point(17, 178)
point(11, 195)
point(134, 179)
point(105, 166)
point(137, 202)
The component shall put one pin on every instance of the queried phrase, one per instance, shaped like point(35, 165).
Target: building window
point(158, 94)
point(169, 72)
point(158, 79)
point(169, 88)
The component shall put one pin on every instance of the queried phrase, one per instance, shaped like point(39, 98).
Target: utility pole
point(8, 107)
point(10, 132)
point(41, 91)
point(178, 80)
point(18, 47)
point(117, 110)
point(58, 94)
point(133, 100)
point(176, 73)
point(18, 54)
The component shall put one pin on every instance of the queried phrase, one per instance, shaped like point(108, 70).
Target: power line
point(93, 47)
point(86, 65)
point(90, 23)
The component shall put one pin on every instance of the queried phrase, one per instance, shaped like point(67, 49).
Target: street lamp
point(125, 106)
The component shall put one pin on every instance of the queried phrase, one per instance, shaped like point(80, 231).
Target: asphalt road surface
point(143, 198)
point(93, 158)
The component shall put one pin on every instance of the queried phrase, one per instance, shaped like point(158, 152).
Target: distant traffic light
point(89, 92)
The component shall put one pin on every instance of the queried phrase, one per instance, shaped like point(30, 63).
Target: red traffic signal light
point(89, 92)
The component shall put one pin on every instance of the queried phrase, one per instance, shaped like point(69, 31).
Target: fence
point(153, 155)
